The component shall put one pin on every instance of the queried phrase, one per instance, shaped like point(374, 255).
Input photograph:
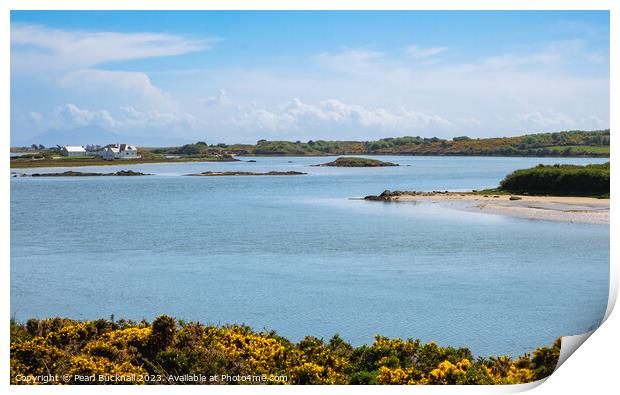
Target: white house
point(108, 153)
point(119, 151)
point(127, 151)
point(74, 150)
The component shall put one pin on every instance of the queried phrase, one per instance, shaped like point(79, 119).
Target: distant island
point(357, 162)
point(245, 173)
point(558, 144)
point(121, 173)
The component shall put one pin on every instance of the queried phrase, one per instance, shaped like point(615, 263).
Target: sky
point(239, 76)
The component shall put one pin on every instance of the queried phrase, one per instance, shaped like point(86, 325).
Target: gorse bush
point(160, 352)
point(560, 179)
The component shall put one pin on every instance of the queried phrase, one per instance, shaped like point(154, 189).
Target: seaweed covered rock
point(357, 162)
point(120, 173)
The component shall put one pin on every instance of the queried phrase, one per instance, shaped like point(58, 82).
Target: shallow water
point(297, 255)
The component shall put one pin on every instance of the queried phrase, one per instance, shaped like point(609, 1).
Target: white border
point(593, 368)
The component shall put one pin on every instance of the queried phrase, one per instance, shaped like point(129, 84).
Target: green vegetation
point(581, 149)
point(74, 157)
point(357, 162)
point(590, 180)
point(160, 352)
point(245, 173)
point(24, 162)
point(571, 143)
point(53, 157)
point(567, 144)
point(200, 148)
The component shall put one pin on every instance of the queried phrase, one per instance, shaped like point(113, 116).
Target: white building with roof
point(74, 150)
point(108, 153)
point(119, 151)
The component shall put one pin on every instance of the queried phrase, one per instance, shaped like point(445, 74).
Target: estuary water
point(296, 254)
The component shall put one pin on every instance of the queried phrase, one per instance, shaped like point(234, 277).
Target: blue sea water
point(297, 255)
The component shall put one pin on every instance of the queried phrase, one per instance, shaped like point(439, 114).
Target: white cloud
point(64, 62)
point(544, 121)
point(338, 117)
point(552, 55)
point(135, 101)
point(219, 100)
point(379, 93)
point(126, 119)
point(130, 117)
point(71, 115)
point(42, 48)
point(419, 52)
point(35, 116)
point(350, 61)
point(125, 86)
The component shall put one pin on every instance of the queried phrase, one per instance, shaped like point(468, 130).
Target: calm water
point(295, 254)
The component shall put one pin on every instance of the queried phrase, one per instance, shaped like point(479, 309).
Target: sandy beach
point(551, 208)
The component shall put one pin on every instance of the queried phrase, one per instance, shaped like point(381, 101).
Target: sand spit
point(551, 208)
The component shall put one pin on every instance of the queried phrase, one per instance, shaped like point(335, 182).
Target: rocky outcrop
point(388, 195)
point(245, 173)
point(120, 173)
point(357, 162)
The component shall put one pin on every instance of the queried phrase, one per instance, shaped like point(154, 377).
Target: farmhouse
point(73, 150)
point(119, 151)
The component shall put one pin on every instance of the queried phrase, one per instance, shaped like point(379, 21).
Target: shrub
point(132, 350)
point(163, 330)
point(560, 179)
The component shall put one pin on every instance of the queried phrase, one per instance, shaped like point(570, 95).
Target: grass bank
point(20, 163)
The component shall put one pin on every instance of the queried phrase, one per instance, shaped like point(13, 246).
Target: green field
point(73, 162)
point(582, 149)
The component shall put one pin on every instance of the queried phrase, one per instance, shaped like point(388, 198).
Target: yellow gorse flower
point(131, 351)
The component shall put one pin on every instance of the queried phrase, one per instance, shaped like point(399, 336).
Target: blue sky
point(243, 76)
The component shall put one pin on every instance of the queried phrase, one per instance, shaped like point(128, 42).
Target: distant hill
point(569, 143)
point(92, 135)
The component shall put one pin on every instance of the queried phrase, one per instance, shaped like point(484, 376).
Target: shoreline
point(121, 162)
point(548, 208)
point(69, 163)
